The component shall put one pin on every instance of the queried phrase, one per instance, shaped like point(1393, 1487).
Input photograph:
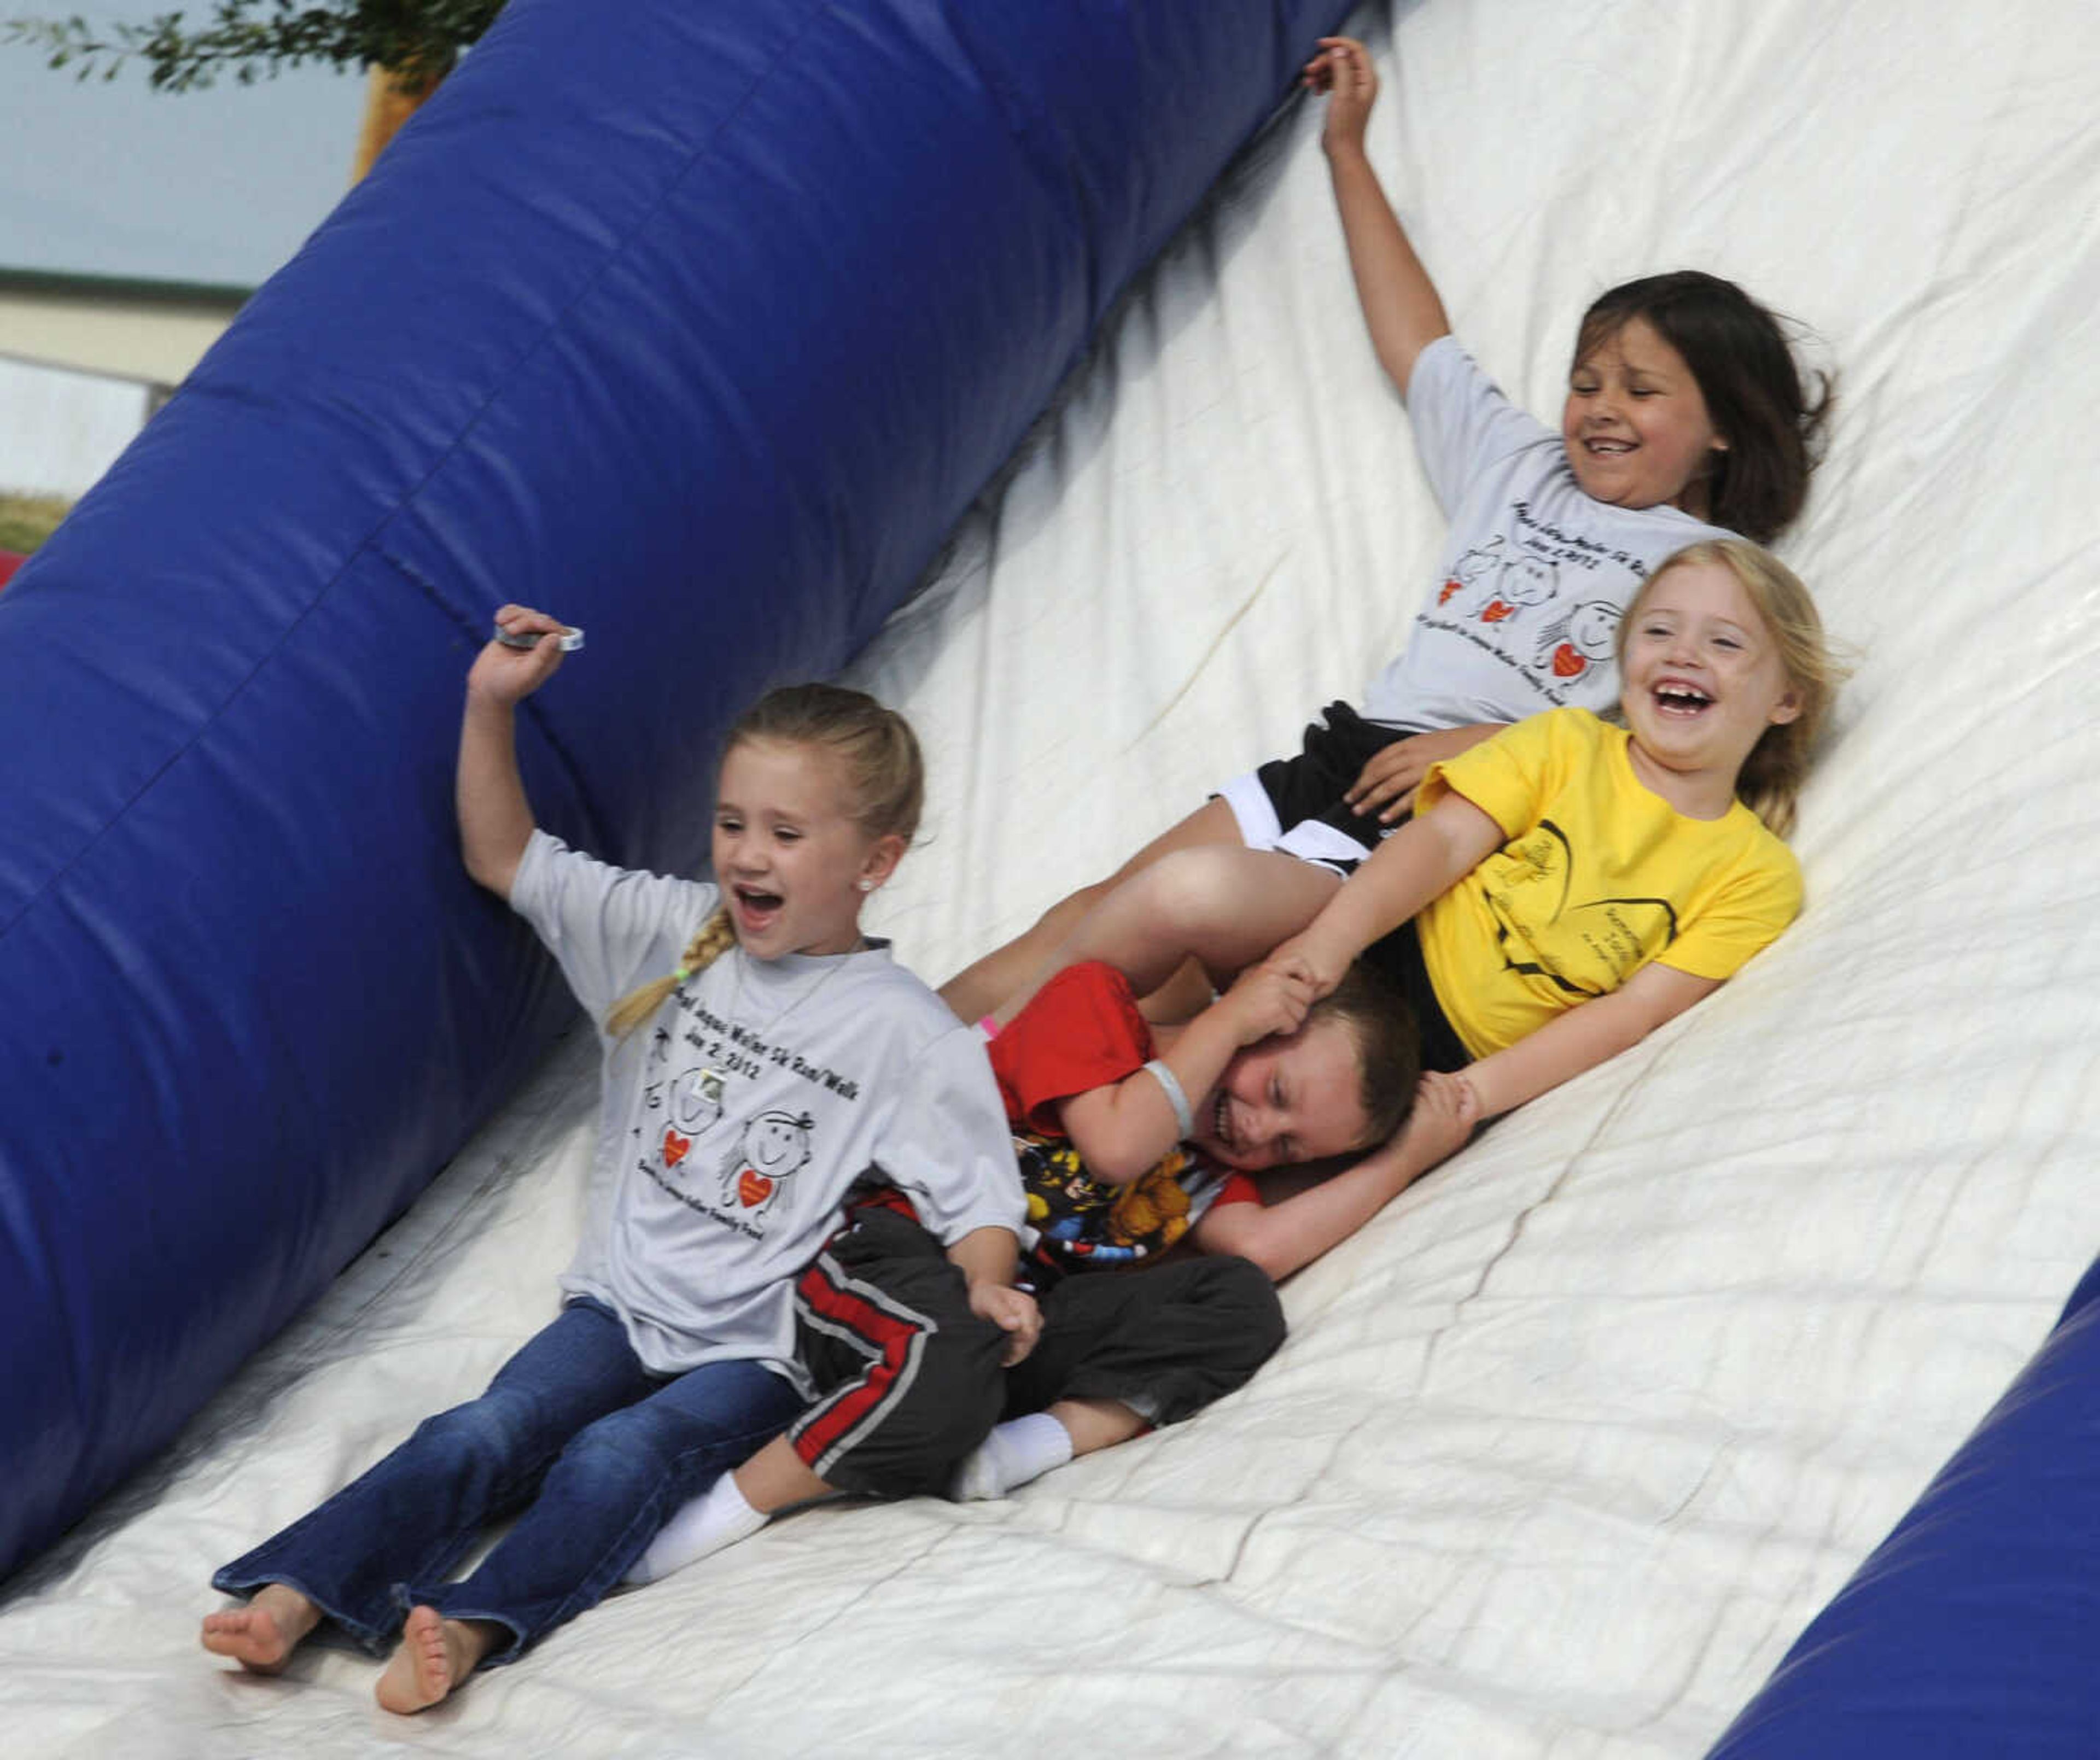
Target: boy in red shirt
point(1134, 1137)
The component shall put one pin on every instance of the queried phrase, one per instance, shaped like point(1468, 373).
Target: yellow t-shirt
point(1600, 876)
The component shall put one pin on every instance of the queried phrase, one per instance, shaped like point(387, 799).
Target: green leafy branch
point(256, 39)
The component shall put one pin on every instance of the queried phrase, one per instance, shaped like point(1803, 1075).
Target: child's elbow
point(1270, 1259)
point(1113, 1167)
point(1237, 1229)
point(1111, 1156)
point(495, 873)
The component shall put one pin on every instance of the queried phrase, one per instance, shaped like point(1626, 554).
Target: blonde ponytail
point(715, 938)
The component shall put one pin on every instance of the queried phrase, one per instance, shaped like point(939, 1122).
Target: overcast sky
point(116, 178)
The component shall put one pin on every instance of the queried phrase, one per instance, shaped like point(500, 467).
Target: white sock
point(1016, 1451)
point(718, 1517)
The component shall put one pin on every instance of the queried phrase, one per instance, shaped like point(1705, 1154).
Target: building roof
point(127, 327)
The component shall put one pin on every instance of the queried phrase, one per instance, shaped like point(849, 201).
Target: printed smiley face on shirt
point(694, 1104)
point(1525, 581)
point(775, 1144)
point(696, 1101)
point(1475, 565)
point(1586, 636)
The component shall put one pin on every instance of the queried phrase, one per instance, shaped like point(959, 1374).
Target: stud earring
point(865, 885)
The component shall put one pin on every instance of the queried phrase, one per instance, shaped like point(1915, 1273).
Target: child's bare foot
point(261, 1636)
point(436, 1655)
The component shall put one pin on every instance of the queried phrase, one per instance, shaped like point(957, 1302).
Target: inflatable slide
point(1565, 1450)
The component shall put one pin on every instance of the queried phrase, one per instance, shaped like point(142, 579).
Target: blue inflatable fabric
point(1973, 1631)
point(698, 325)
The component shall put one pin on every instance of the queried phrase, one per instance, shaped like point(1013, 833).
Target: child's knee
point(1190, 892)
point(1244, 1295)
point(1063, 916)
point(923, 1463)
point(489, 1431)
point(961, 1392)
point(622, 1459)
point(924, 1423)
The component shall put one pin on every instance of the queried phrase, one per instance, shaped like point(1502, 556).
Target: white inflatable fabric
point(1567, 1446)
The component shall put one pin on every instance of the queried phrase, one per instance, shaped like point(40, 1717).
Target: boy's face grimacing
point(1287, 1098)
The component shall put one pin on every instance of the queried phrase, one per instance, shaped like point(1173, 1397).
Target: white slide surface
point(1566, 1447)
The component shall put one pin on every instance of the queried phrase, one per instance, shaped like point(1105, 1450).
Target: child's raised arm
point(1280, 1238)
point(1400, 302)
point(495, 817)
point(1123, 1129)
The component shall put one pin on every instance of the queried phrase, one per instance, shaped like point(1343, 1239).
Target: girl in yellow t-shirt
point(1564, 888)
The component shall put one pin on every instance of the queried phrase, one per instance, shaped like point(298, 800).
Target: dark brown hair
point(1388, 1046)
point(1755, 395)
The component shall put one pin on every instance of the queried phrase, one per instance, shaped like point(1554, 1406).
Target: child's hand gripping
point(1386, 783)
point(1446, 1110)
point(1342, 70)
point(1307, 960)
point(1013, 1311)
point(1121, 1129)
point(495, 817)
point(1264, 999)
point(504, 673)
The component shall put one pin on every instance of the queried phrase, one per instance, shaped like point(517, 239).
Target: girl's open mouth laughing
point(1675, 698)
point(755, 907)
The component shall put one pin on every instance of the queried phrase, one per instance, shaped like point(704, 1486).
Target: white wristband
point(1184, 1120)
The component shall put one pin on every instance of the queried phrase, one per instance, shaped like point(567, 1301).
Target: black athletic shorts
point(1306, 792)
point(1311, 785)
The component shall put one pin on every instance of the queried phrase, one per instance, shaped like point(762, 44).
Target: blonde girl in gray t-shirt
point(760, 1055)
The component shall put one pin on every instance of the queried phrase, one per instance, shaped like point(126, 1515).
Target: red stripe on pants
point(892, 1339)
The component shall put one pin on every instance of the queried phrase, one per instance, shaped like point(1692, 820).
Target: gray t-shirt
point(732, 1124)
point(1537, 574)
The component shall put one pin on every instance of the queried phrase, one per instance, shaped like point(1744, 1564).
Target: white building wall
point(59, 431)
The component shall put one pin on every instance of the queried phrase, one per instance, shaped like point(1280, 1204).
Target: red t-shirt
point(1081, 1031)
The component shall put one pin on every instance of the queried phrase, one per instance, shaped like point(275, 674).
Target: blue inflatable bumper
point(1973, 1631)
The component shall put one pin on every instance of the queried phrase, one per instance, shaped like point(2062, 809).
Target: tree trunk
point(391, 99)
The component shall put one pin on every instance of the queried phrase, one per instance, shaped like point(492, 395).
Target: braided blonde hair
point(885, 779)
point(715, 938)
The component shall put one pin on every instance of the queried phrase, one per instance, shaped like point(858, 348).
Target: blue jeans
point(592, 1448)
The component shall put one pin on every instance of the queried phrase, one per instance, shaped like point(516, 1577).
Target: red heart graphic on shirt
point(1567, 660)
point(1496, 612)
point(753, 1188)
point(674, 1147)
point(1450, 587)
